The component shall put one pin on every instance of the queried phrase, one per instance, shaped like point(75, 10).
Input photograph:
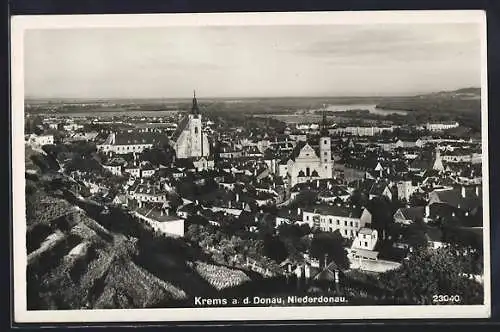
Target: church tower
point(196, 129)
point(325, 148)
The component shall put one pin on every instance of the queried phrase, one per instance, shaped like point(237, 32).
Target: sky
point(251, 61)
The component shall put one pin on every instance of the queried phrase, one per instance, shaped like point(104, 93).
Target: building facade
point(188, 140)
point(306, 163)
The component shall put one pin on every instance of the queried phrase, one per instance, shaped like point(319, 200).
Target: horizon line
point(248, 97)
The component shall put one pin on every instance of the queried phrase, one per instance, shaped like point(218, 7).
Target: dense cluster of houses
point(228, 177)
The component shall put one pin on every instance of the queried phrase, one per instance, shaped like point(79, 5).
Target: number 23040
point(446, 299)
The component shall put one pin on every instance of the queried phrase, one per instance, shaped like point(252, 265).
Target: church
point(309, 161)
point(188, 140)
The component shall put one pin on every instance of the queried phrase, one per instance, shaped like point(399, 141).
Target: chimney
point(317, 183)
point(298, 211)
point(237, 197)
point(463, 191)
point(427, 211)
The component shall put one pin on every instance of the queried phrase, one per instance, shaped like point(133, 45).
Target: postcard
point(250, 167)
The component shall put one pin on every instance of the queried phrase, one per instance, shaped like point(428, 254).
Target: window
point(350, 224)
point(325, 141)
point(338, 222)
point(196, 130)
point(308, 171)
point(366, 244)
point(326, 153)
point(345, 222)
point(307, 218)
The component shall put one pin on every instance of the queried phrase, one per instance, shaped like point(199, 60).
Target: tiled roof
point(454, 198)
point(180, 128)
point(335, 210)
point(126, 138)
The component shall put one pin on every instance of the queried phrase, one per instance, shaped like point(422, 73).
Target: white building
point(366, 239)
point(306, 163)
point(162, 221)
point(40, 140)
point(124, 143)
point(329, 218)
point(114, 169)
point(438, 126)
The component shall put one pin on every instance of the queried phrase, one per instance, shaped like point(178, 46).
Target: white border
point(21, 23)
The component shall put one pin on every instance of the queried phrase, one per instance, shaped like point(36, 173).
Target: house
point(409, 215)
point(463, 201)
point(114, 168)
point(380, 189)
point(40, 140)
point(130, 142)
point(203, 163)
point(366, 239)
point(288, 216)
point(160, 219)
point(363, 245)
point(348, 219)
point(145, 192)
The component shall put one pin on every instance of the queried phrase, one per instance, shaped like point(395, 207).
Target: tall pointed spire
point(324, 125)
point(195, 109)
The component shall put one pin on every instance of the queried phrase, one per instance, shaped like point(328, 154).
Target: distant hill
point(460, 94)
point(466, 100)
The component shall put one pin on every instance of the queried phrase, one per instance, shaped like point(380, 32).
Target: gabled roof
point(454, 198)
point(413, 213)
point(335, 210)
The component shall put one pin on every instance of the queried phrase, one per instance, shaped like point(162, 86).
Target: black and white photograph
point(250, 166)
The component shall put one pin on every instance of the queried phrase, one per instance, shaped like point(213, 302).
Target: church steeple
point(194, 108)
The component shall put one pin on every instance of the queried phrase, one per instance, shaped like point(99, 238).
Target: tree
point(304, 198)
point(274, 248)
point(415, 234)
point(382, 213)
point(331, 244)
point(430, 272)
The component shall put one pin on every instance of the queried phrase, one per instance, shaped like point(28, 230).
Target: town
point(325, 204)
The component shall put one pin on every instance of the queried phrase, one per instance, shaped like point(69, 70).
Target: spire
point(324, 125)
point(195, 109)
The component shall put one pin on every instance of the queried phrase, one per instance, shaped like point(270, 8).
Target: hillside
point(80, 256)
